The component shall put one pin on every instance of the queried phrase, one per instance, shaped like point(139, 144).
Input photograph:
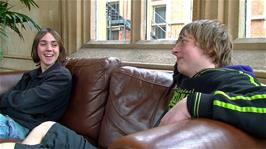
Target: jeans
point(10, 129)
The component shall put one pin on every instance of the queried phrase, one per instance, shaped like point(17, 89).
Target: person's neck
point(208, 66)
point(44, 67)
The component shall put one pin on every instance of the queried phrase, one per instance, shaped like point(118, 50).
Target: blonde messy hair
point(213, 37)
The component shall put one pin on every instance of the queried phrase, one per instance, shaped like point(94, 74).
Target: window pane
point(165, 18)
point(255, 19)
point(113, 20)
point(159, 32)
point(159, 14)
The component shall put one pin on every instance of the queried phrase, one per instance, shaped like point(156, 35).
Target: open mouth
point(48, 55)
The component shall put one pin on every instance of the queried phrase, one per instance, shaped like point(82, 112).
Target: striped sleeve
point(250, 103)
point(245, 111)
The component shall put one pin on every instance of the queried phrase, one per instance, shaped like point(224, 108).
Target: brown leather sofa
point(119, 107)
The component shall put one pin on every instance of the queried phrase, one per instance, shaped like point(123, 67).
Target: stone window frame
point(77, 25)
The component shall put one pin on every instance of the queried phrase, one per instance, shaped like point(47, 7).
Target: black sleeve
point(242, 105)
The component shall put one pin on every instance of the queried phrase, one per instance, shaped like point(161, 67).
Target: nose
point(175, 49)
point(49, 47)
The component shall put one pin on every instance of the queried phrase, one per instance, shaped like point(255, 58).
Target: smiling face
point(190, 58)
point(48, 51)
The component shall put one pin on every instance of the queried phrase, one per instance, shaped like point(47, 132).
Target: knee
point(46, 125)
point(38, 133)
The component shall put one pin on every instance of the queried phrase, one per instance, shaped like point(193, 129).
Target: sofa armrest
point(9, 80)
point(197, 133)
point(10, 140)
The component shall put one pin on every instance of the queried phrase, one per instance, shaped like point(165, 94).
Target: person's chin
point(182, 70)
point(48, 64)
point(49, 60)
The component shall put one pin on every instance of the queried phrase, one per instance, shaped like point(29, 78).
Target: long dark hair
point(39, 35)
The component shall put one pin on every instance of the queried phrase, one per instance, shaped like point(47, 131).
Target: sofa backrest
point(8, 80)
point(89, 94)
point(137, 100)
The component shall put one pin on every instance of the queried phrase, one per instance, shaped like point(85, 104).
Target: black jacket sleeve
point(240, 100)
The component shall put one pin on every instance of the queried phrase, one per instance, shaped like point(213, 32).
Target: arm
point(238, 100)
point(245, 111)
point(244, 108)
point(34, 99)
point(176, 114)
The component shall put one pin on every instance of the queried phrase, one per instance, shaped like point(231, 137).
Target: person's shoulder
point(219, 74)
point(237, 76)
point(222, 70)
point(32, 73)
point(63, 69)
point(213, 71)
point(243, 69)
point(60, 70)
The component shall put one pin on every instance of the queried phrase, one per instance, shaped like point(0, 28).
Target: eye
point(42, 43)
point(55, 44)
point(184, 40)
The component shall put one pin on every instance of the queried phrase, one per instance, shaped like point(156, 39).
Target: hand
point(178, 113)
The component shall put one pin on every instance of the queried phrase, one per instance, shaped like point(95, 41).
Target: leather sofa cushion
point(89, 93)
point(137, 99)
point(8, 80)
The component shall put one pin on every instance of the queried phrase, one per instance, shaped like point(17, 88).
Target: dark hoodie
point(38, 97)
point(226, 94)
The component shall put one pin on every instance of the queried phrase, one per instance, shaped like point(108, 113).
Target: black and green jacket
point(228, 95)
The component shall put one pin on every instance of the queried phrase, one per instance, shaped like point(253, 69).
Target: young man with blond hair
point(208, 86)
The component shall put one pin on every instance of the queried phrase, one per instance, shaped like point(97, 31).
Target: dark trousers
point(60, 137)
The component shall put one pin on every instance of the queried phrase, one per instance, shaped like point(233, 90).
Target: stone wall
point(157, 58)
point(255, 58)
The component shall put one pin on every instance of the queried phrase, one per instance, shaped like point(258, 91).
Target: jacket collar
point(38, 72)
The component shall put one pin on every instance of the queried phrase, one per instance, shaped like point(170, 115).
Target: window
point(254, 16)
point(85, 26)
point(145, 29)
point(158, 22)
point(159, 14)
point(115, 23)
point(113, 20)
point(160, 19)
point(165, 18)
